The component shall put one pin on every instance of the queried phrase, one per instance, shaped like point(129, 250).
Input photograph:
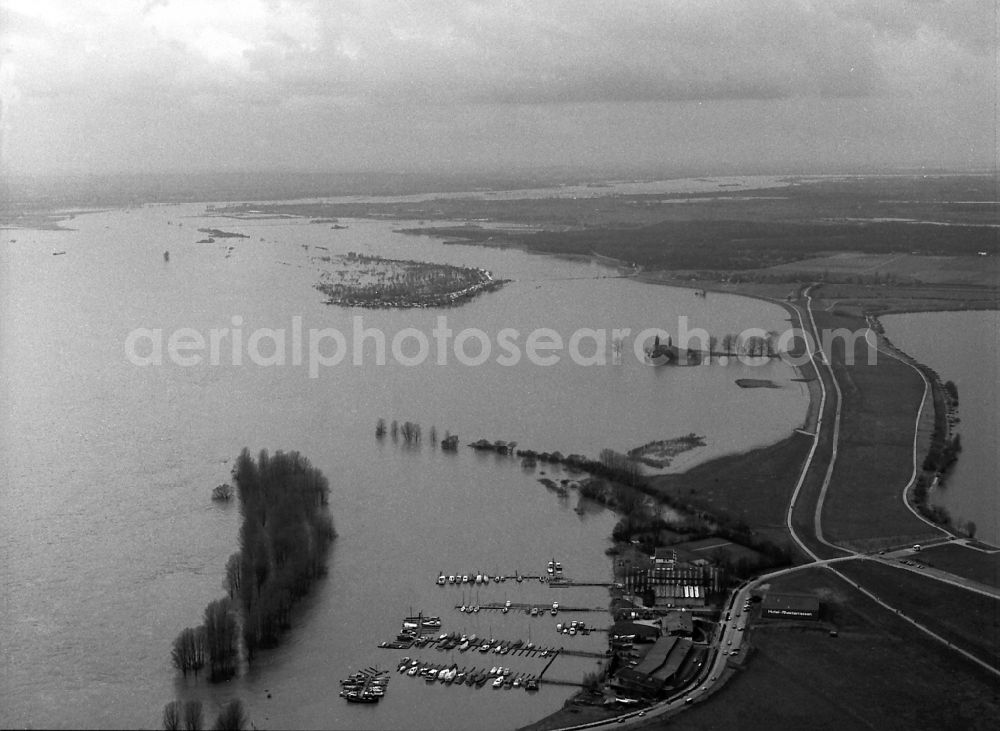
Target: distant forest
point(751, 245)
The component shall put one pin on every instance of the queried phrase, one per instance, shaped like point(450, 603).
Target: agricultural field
point(878, 673)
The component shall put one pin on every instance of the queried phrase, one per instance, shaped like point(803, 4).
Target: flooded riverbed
point(111, 545)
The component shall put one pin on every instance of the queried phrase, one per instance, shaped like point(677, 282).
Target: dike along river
point(963, 347)
point(110, 544)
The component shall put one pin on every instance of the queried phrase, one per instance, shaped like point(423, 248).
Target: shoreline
point(753, 456)
point(736, 461)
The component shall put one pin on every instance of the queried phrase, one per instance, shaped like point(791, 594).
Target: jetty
point(449, 674)
point(542, 608)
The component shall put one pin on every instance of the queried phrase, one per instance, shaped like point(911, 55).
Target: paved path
point(730, 635)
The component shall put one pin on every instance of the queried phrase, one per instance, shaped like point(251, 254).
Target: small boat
point(426, 620)
point(361, 697)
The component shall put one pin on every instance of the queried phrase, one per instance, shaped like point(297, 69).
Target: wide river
point(110, 545)
point(964, 347)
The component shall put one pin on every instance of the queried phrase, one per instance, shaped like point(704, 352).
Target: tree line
point(410, 431)
point(619, 482)
point(284, 538)
point(190, 716)
point(286, 532)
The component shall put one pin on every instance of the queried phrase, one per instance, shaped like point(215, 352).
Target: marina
point(365, 686)
point(449, 674)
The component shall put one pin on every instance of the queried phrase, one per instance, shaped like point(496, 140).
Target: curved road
point(731, 636)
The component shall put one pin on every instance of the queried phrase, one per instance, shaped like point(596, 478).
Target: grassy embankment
point(864, 508)
point(798, 678)
point(754, 486)
point(968, 563)
point(967, 619)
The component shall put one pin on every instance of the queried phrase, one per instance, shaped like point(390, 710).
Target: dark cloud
point(258, 70)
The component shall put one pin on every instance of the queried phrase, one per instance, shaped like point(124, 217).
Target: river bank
point(753, 461)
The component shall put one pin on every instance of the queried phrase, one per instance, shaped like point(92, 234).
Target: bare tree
point(221, 638)
point(232, 717)
point(193, 717)
point(232, 580)
point(772, 344)
point(172, 716)
point(188, 652)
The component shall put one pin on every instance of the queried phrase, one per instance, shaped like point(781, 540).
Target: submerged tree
point(232, 717)
point(189, 650)
point(221, 639)
point(233, 574)
point(284, 539)
point(410, 432)
point(172, 716)
point(193, 717)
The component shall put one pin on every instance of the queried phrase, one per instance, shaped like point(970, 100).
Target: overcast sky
point(344, 85)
